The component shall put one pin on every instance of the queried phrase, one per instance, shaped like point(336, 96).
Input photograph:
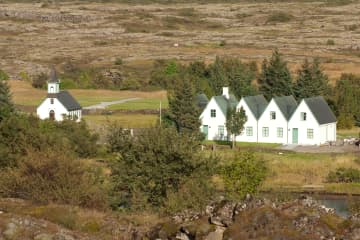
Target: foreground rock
point(224, 220)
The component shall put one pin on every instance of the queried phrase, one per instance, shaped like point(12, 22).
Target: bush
point(330, 42)
point(54, 176)
point(3, 76)
point(279, 17)
point(345, 121)
point(40, 80)
point(119, 61)
point(243, 175)
point(153, 166)
point(344, 175)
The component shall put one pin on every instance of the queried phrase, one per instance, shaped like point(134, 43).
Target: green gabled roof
point(256, 104)
point(287, 105)
point(201, 100)
point(320, 110)
point(224, 103)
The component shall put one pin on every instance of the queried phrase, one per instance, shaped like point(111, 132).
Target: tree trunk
point(233, 142)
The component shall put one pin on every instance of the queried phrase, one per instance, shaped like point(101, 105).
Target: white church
point(282, 120)
point(58, 105)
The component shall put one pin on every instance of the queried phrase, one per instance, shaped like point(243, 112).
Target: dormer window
point(272, 115)
point(303, 116)
point(213, 113)
point(51, 101)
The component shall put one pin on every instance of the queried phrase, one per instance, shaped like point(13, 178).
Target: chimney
point(226, 92)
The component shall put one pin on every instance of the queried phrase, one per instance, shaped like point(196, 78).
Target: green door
point(295, 134)
point(205, 131)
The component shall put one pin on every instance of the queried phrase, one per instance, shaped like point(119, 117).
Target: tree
point(311, 81)
point(347, 98)
point(6, 105)
point(243, 175)
point(235, 121)
point(233, 73)
point(156, 163)
point(183, 109)
point(275, 78)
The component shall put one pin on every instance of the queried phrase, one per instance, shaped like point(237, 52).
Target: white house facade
point(213, 117)
point(313, 123)
point(282, 120)
point(59, 104)
point(254, 107)
point(273, 123)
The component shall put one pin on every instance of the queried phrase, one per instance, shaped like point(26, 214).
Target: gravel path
point(103, 105)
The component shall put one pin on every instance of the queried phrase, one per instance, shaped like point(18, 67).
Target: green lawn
point(354, 132)
point(125, 120)
point(141, 104)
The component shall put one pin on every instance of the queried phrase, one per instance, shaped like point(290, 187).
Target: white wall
point(251, 122)
point(53, 88)
point(279, 122)
point(303, 126)
point(327, 132)
point(43, 111)
point(213, 123)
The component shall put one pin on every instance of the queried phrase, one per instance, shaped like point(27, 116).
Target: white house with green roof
point(254, 106)
point(213, 117)
point(312, 123)
point(273, 123)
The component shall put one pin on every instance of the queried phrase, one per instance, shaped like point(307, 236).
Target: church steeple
point(54, 82)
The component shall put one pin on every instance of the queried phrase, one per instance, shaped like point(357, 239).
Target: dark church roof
point(67, 100)
point(224, 103)
point(201, 100)
point(53, 76)
point(287, 105)
point(257, 104)
point(320, 109)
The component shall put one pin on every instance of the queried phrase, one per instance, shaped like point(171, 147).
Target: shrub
point(3, 76)
point(243, 175)
point(39, 81)
point(344, 175)
point(279, 17)
point(54, 176)
point(118, 61)
point(154, 165)
point(330, 42)
point(345, 121)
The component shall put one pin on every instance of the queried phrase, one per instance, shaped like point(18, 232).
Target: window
point(279, 132)
point(310, 133)
point(213, 113)
point(265, 131)
point(272, 115)
point(51, 101)
point(303, 116)
point(249, 131)
point(221, 131)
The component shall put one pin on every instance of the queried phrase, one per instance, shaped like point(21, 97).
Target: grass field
point(24, 94)
point(354, 132)
point(141, 104)
point(125, 120)
point(294, 171)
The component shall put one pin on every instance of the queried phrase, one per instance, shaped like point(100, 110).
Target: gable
point(320, 109)
point(67, 101)
point(287, 105)
point(256, 104)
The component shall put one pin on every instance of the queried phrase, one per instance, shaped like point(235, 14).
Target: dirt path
point(104, 105)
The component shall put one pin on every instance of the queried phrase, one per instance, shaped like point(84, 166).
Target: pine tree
point(275, 78)
point(183, 109)
point(6, 105)
point(235, 121)
point(311, 81)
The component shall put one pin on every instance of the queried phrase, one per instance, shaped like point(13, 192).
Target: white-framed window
point(213, 113)
point(279, 132)
point(310, 133)
point(272, 115)
point(221, 130)
point(303, 116)
point(265, 131)
point(249, 131)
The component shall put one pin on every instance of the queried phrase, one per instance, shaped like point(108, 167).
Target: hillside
point(33, 36)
